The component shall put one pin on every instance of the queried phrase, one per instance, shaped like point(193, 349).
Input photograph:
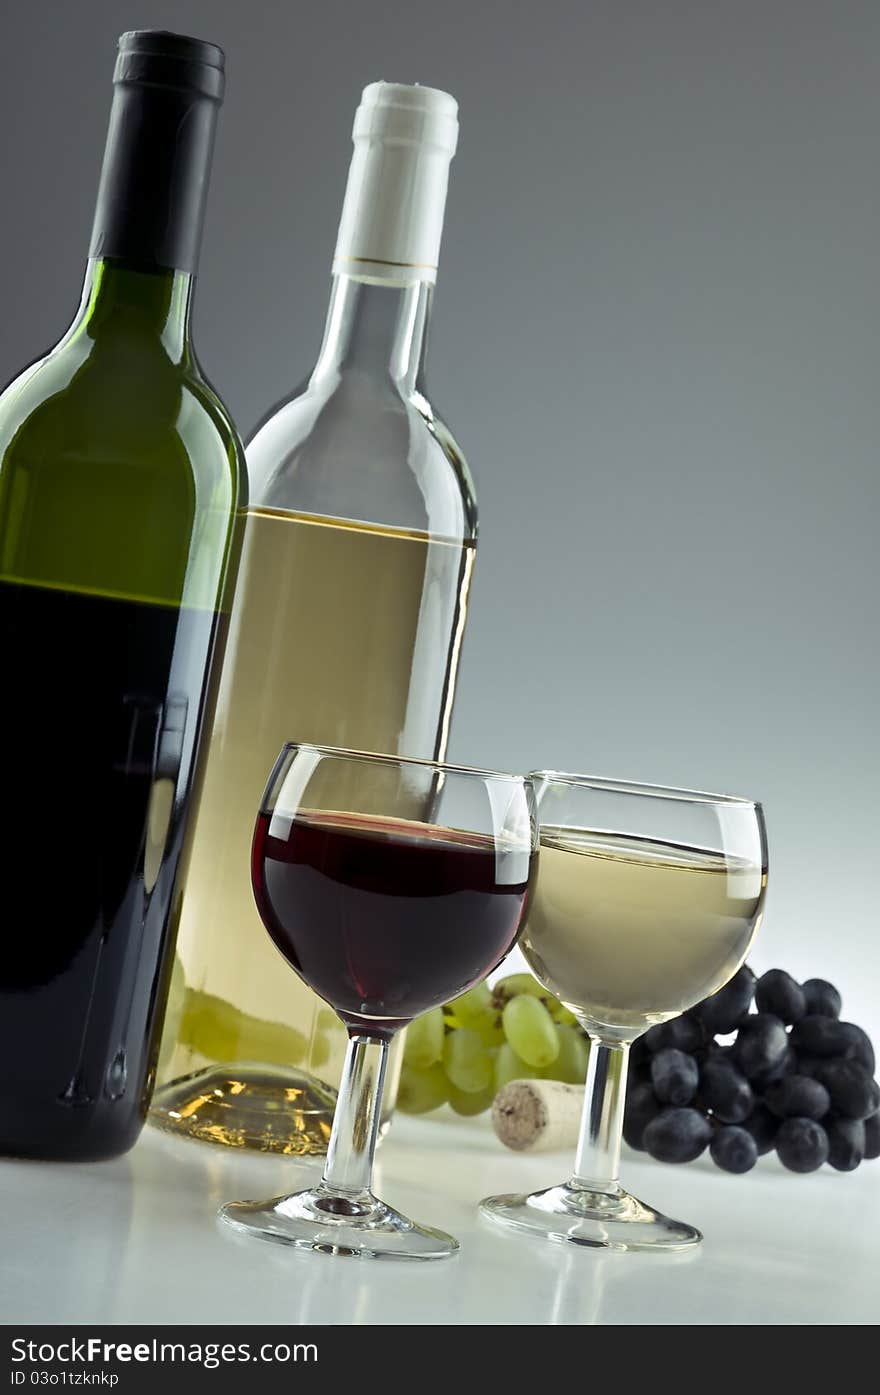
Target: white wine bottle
point(346, 630)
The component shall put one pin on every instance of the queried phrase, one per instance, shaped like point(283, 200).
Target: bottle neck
point(376, 330)
point(154, 178)
point(120, 299)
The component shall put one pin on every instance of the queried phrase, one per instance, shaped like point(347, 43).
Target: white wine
point(342, 634)
point(632, 931)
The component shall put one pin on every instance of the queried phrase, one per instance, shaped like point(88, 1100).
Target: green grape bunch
point(463, 1053)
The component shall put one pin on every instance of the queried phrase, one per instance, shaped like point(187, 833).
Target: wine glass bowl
point(389, 885)
point(646, 901)
point(337, 891)
point(629, 926)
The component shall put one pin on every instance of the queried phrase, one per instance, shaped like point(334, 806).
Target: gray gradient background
point(656, 336)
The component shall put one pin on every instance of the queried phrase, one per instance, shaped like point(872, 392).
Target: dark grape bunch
point(793, 1077)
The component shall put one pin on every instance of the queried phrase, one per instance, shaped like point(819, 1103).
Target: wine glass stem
point(598, 1156)
point(349, 1165)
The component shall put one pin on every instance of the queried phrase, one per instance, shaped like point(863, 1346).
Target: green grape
point(489, 1029)
point(559, 1012)
point(571, 1063)
point(509, 1066)
point(319, 1050)
point(216, 1029)
point(530, 1030)
point(466, 1060)
point(420, 1091)
point(471, 1102)
point(470, 1006)
point(516, 984)
point(424, 1040)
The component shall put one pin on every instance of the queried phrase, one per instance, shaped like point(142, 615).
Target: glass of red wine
point(390, 886)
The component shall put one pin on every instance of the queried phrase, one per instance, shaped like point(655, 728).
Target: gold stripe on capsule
point(382, 261)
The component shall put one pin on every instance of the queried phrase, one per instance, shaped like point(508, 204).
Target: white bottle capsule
point(392, 217)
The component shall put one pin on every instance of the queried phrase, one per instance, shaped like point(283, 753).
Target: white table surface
point(136, 1240)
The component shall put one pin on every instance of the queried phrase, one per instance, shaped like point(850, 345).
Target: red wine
point(99, 732)
point(386, 918)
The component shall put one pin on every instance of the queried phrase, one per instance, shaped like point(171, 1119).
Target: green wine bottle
point(121, 478)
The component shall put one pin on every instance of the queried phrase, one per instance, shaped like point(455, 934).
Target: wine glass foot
point(358, 1226)
point(597, 1220)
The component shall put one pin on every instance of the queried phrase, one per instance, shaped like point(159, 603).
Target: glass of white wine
point(647, 900)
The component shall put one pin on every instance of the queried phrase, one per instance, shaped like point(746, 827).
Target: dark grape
point(859, 1047)
point(769, 1088)
point(846, 1143)
point(677, 1135)
point(685, 1033)
point(801, 1145)
point(725, 1090)
point(763, 1126)
point(822, 997)
point(641, 1108)
point(675, 1076)
point(640, 1053)
point(777, 992)
point(733, 1149)
point(808, 1065)
point(653, 1038)
point(761, 1044)
point(724, 1010)
point(688, 1032)
point(798, 1096)
point(853, 1093)
point(762, 1079)
point(820, 1036)
point(640, 1072)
